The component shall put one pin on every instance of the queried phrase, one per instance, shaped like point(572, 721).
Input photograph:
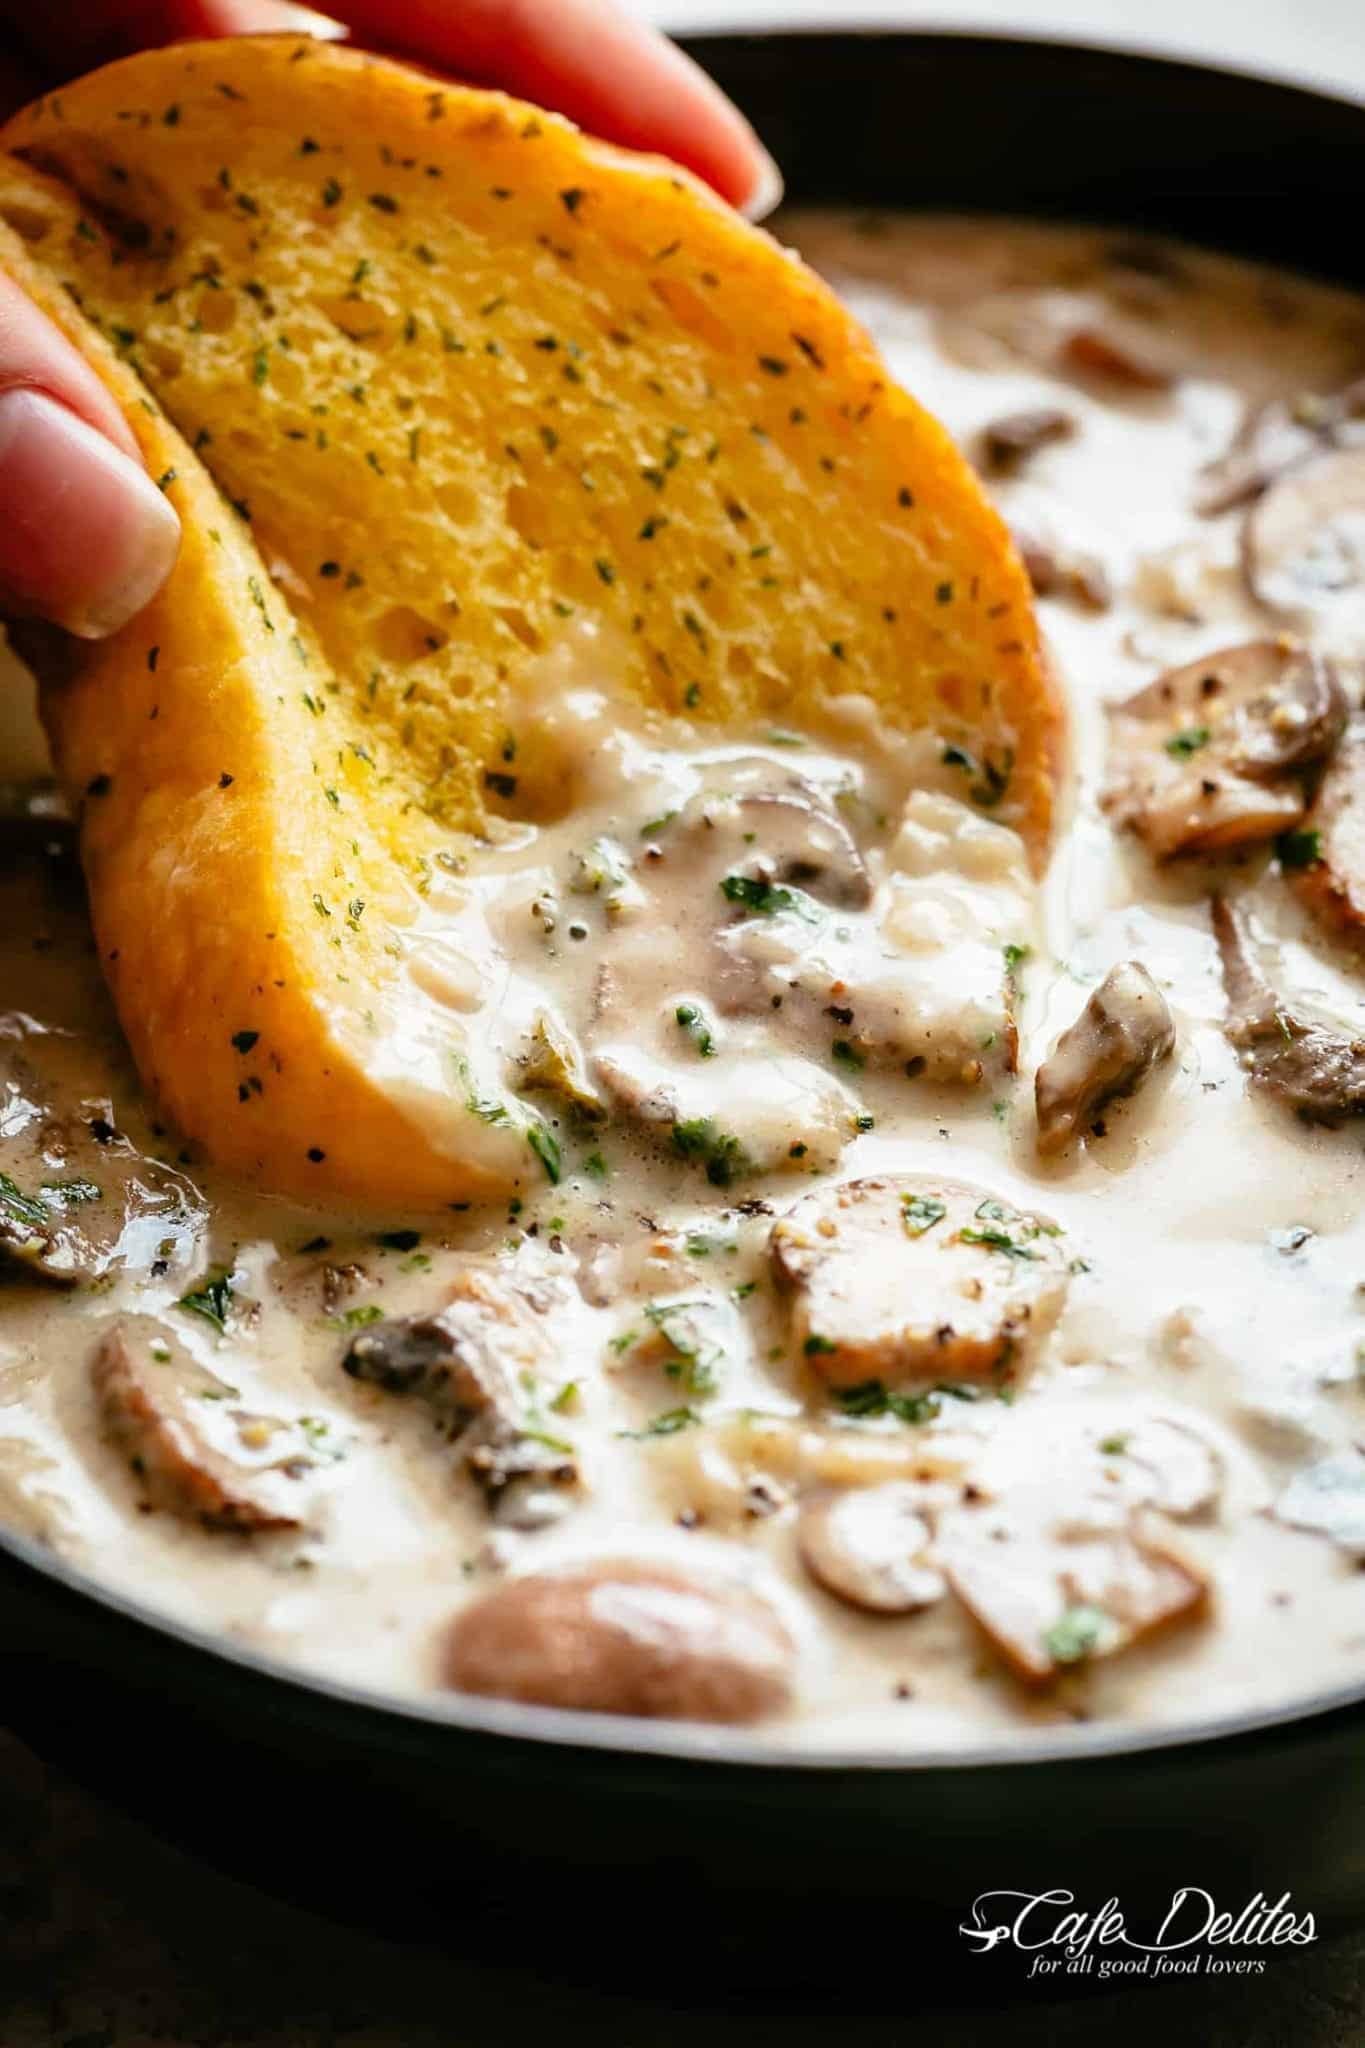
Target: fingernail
point(86, 538)
point(768, 188)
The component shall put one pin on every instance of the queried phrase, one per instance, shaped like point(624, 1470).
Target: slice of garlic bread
point(432, 379)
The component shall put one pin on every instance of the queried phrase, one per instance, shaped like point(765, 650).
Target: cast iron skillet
point(672, 1856)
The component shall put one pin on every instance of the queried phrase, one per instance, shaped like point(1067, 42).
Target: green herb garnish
point(212, 1301)
point(920, 1213)
point(719, 1151)
point(690, 1019)
point(546, 1148)
point(768, 899)
point(1077, 1635)
point(667, 1424)
point(1299, 850)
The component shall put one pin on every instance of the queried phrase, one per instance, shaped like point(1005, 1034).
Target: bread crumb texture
point(429, 376)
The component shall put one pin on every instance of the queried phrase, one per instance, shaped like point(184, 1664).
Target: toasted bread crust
point(460, 371)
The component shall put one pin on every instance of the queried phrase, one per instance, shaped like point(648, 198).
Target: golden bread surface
point(429, 375)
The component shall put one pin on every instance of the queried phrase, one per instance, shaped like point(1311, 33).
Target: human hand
point(86, 538)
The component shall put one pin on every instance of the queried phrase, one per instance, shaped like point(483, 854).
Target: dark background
point(109, 1939)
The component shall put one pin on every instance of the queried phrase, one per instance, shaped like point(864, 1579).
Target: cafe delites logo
point(1192, 1936)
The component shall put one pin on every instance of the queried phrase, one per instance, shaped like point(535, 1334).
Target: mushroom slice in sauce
point(77, 1200)
point(1276, 437)
point(1008, 441)
point(1315, 1068)
point(869, 1548)
point(625, 1638)
point(1119, 351)
point(1120, 1035)
point(1051, 1593)
point(762, 821)
point(179, 1426)
point(1212, 756)
point(476, 1363)
point(915, 1278)
point(1167, 1465)
point(1326, 862)
point(733, 1116)
point(1056, 569)
point(1328, 1498)
point(1303, 544)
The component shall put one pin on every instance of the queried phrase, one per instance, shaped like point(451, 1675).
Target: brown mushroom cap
point(1211, 756)
point(623, 1637)
point(1120, 1035)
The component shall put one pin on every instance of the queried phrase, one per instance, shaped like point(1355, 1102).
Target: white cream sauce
point(1215, 1248)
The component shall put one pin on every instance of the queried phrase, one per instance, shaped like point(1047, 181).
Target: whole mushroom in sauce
point(623, 1637)
point(1216, 755)
point(916, 1278)
point(1123, 1032)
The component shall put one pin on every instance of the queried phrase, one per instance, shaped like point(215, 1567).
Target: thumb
point(86, 538)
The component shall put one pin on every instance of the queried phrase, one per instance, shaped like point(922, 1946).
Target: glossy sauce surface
point(736, 972)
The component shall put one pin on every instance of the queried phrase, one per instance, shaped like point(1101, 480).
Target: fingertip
point(87, 539)
point(768, 189)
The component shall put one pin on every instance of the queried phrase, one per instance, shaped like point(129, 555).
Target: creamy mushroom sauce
point(1210, 1248)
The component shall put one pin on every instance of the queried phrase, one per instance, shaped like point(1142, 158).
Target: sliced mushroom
point(1304, 540)
point(1124, 1030)
point(913, 1278)
point(1008, 441)
point(1212, 756)
point(1274, 438)
point(625, 1638)
point(1168, 1466)
point(479, 1364)
point(187, 1440)
point(1315, 1068)
point(1120, 351)
point(760, 820)
point(77, 1200)
point(869, 1547)
point(1326, 864)
point(1051, 1594)
point(733, 1116)
point(1056, 569)
point(1328, 1498)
